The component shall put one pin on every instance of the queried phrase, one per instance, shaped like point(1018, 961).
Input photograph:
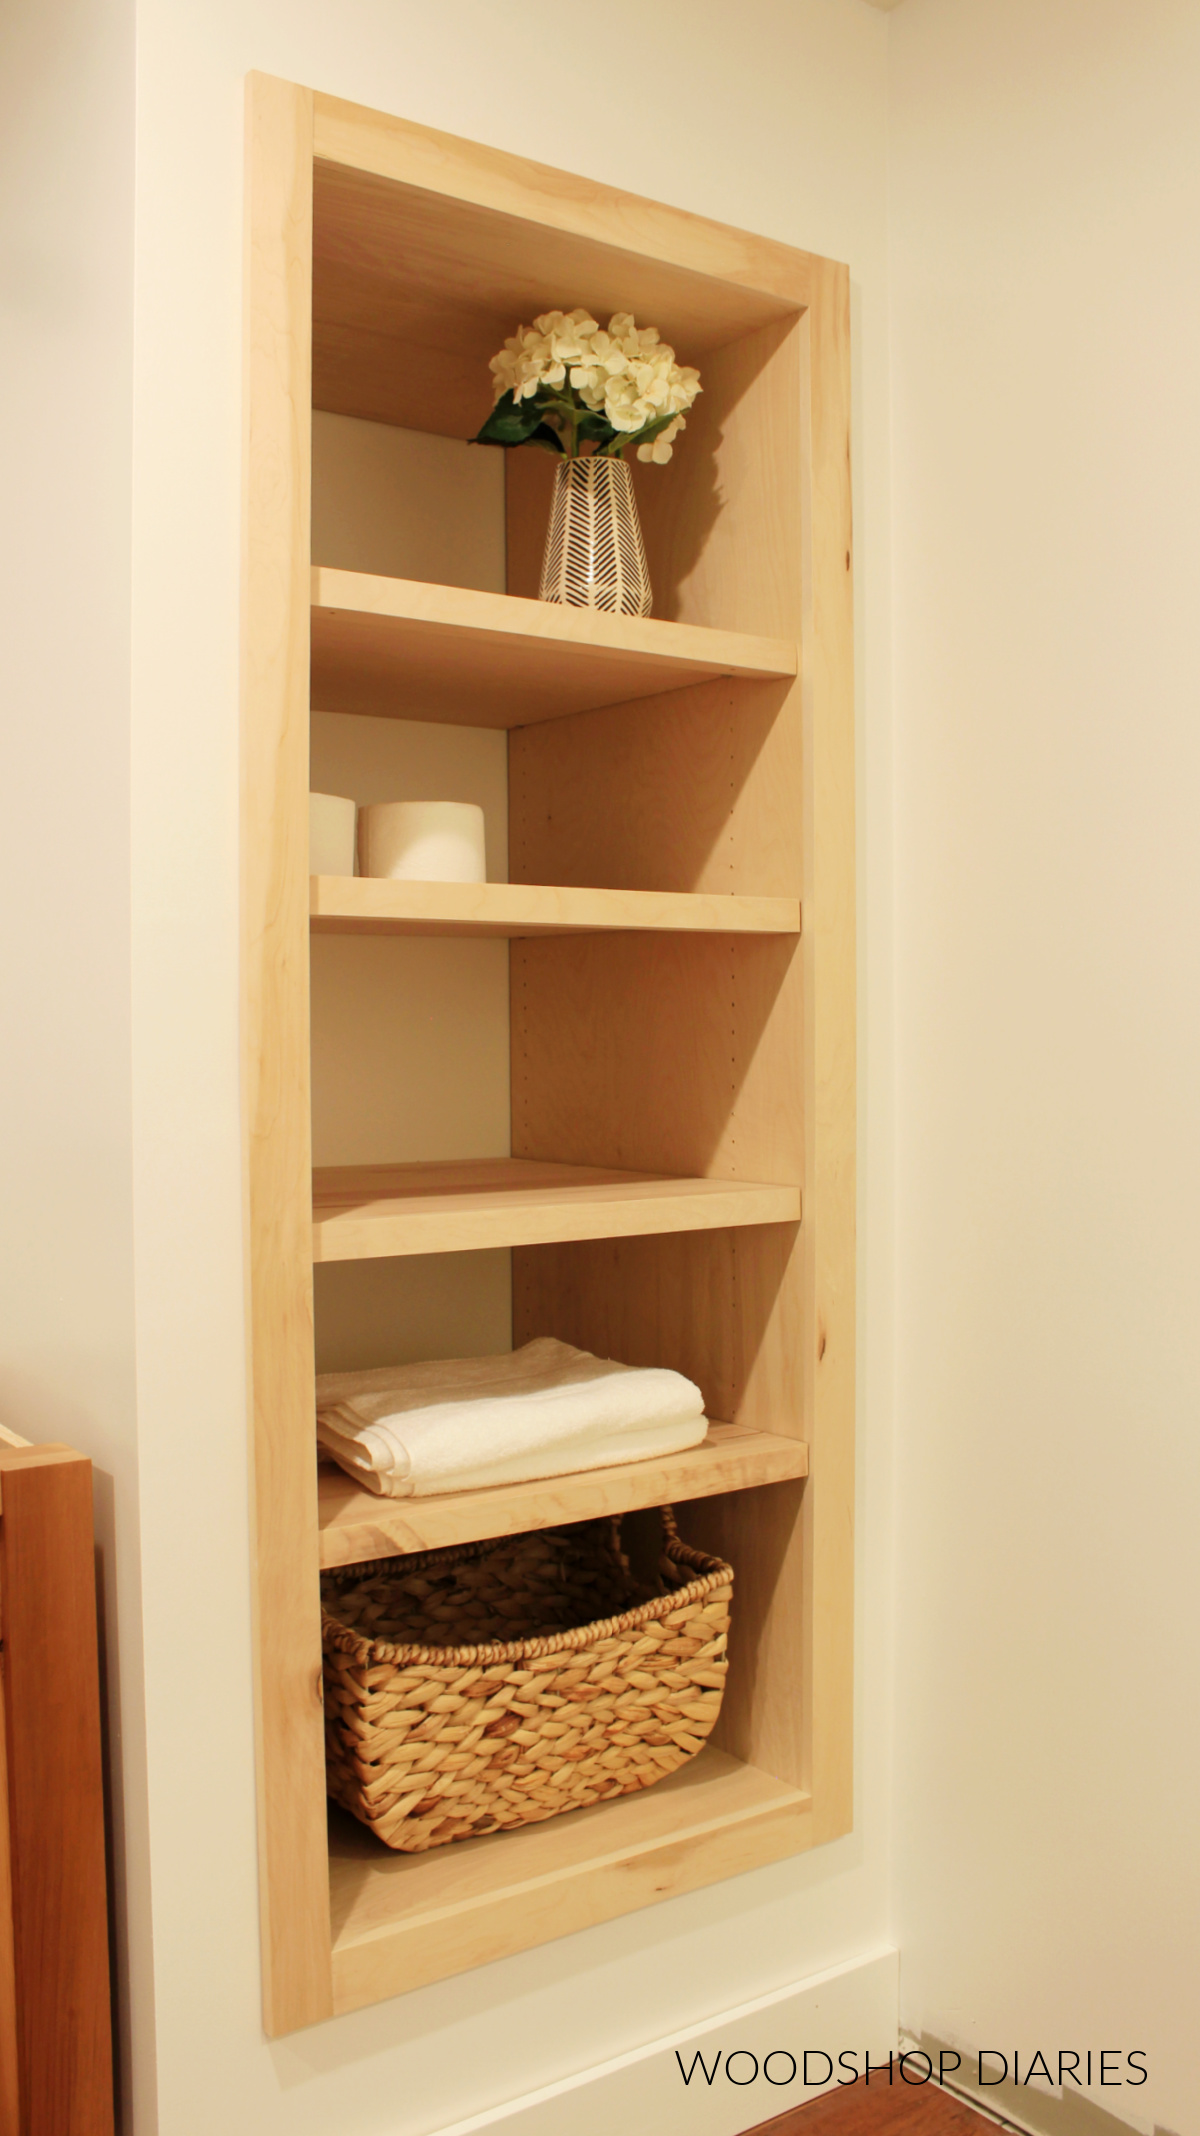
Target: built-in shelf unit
point(680, 922)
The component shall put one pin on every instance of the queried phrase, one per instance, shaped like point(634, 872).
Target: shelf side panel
point(293, 1876)
point(726, 1309)
point(718, 1306)
point(704, 1057)
point(659, 1053)
point(663, 793)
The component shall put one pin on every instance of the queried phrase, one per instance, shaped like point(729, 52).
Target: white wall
point(1043, 206)
point(802, 158)
point(1046, 344)
point(410, 1038)
point(67, 1360)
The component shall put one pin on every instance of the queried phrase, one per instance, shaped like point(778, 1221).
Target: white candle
point(423, 841)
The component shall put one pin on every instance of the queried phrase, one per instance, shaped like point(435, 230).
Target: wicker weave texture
point(595, 556)
point(479, 1688)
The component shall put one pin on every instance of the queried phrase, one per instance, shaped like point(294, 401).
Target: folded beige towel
point(468, 1422)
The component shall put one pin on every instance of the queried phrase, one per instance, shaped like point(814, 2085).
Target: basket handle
point(666, 1515)
point(667, 1570)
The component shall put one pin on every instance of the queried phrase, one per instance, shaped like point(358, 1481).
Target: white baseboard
point(853, 2009)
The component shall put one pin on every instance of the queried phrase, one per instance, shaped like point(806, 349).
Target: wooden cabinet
point(680, 917)
point(56, 2072)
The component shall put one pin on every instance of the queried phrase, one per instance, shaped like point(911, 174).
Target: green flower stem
point(566, 412)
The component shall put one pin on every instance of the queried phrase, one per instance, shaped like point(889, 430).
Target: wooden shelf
point(358, 904)
point(482, 267)
point(365, 1212)
point(400, 649)
point(400, 1920)
point(700, 757)
point(357, 1525)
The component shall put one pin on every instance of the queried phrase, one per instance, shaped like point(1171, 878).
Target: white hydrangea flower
point(624, 372)
point(659, 448)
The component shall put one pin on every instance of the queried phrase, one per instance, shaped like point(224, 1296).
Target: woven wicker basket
point(487, 1686)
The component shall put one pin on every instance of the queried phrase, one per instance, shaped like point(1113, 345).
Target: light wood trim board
point(829, 960)
point(728, 264)
point(275, 1073)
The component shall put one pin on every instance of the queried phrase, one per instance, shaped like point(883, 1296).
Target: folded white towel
point(467, 1423)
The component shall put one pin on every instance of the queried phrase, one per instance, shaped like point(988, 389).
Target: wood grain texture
point(714, 1305)
point(660, 1053)
point(721, 1307)
point(10, 2088)
point(691, 1056)
point(685, 1056)
point(595, 800)
point(401, 1920)
point(293, 1887)
point(733, 275)
point(358, 1525)
point(796, 1605)
point(888, 2104)
point(715, 1049)
point(361, 1212)
point(426, 241)
point(358, 904)
point(55, 1795)
point(725, 536)
point(402, 649)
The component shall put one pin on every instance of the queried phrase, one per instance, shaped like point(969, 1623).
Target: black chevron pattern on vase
point(595, 556)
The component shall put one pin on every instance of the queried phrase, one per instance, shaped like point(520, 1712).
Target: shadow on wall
point(697, 1302)
point(679, 515)
point(730, 743)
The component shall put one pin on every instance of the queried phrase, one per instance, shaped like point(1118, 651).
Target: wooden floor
point(880, 2109)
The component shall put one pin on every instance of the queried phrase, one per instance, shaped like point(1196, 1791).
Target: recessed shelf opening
point(607, 1095)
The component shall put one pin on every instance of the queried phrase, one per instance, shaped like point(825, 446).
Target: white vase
point(595, 556)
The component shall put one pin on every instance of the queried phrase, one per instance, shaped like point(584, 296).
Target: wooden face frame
point(733, 784)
